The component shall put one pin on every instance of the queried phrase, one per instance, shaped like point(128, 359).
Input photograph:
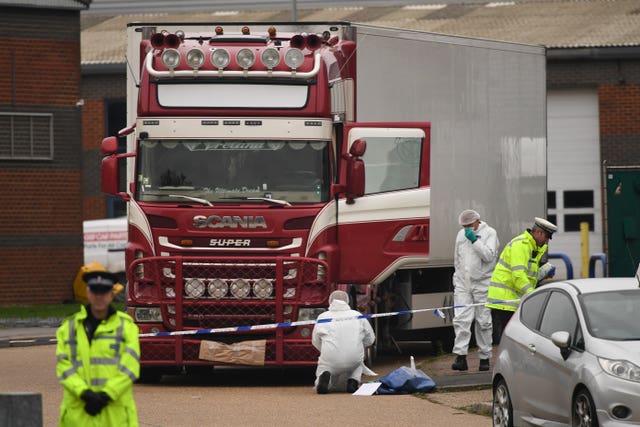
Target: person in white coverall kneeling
point(475, 255)
point(341, 344)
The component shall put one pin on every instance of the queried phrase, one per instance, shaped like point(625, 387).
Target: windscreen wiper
point(264, 199)
point(193, 199)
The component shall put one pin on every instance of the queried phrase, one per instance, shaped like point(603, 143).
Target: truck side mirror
point(109, 145)
point(355, 171)
point(110, 176)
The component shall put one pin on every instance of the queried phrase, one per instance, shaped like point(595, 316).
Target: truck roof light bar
point(295, 59)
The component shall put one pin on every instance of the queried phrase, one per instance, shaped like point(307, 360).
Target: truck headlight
point(309, 313)
point(147, 314)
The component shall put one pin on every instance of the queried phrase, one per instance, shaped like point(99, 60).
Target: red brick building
point(40, 151)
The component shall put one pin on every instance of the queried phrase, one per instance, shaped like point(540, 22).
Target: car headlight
point(620, 368)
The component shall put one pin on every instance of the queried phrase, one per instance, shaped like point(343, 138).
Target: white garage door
point(574, 174)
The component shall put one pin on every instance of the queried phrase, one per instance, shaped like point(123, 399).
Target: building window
point(578, 199)
point(572, 221)
point(551, 199)
point(26, 136)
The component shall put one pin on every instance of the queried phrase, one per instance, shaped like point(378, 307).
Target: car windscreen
point(613, 315)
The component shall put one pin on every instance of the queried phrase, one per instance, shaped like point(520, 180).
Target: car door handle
point(532, 348)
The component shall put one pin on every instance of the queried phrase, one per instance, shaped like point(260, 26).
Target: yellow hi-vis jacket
point(110, 363)
point(516, 272)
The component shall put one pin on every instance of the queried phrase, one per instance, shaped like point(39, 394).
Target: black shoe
point(484, 365)
point(352, 385)
point(323, 383)
point(460, 364)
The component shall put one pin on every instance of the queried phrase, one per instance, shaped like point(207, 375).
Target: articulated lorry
point(268, 165)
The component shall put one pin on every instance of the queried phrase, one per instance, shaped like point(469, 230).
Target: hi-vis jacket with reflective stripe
point(516, 272)
point(110, 363)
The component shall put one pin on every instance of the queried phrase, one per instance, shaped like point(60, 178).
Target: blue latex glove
point(469, 234)
point(552, 271)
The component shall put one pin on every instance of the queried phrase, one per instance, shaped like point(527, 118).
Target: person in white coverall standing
point(475, 255)
point(341, 344)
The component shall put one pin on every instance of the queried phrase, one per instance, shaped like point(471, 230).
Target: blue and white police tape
point(438, 312)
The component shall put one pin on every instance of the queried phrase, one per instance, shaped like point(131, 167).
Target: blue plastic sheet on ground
point(406, 380)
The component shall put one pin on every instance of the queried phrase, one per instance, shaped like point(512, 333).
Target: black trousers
point(499, 318)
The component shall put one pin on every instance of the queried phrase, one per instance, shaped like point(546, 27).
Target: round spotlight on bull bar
point(245, 58)
point(270, 57)
point(220, 58)
point(195, 58)
point(171, 58)
point(194, 288)
point(240, 288)
point(263, 288)
point(218, 288)
point(293, 58)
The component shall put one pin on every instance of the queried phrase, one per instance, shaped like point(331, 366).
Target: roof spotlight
point(245, 58)
point(195, 58)
point(171, 58)
point(220, 58)
point(293, 58)
point(270, 57)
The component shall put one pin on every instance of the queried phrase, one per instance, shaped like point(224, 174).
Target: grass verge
point(44, 311)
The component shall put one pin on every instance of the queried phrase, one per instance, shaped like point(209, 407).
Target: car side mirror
point(562, 339)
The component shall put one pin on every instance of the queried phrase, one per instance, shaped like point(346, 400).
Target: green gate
point(623, 220)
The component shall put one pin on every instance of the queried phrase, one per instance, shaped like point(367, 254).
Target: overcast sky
point(138, 6)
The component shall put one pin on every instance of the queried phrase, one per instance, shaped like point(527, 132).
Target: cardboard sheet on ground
point(241, 353)
point(367, 389)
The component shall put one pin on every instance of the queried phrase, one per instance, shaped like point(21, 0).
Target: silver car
point(570, 355)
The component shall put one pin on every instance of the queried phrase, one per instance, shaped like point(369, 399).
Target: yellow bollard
point(584, 249)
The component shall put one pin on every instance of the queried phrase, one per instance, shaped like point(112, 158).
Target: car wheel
point(502, 407)
point(583, 412)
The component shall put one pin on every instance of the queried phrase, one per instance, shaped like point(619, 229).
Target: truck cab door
point(387, 228)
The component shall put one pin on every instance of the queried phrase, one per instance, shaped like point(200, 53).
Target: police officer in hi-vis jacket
point(98, 359)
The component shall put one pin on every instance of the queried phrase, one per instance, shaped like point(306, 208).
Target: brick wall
point(41, 217)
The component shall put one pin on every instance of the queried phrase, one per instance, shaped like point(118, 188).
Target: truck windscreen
point(222, 171)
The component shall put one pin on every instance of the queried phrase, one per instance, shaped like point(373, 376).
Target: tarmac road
point(250, 397)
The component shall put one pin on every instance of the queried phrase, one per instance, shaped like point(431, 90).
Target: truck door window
point(225, 170)
point(392, 163)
